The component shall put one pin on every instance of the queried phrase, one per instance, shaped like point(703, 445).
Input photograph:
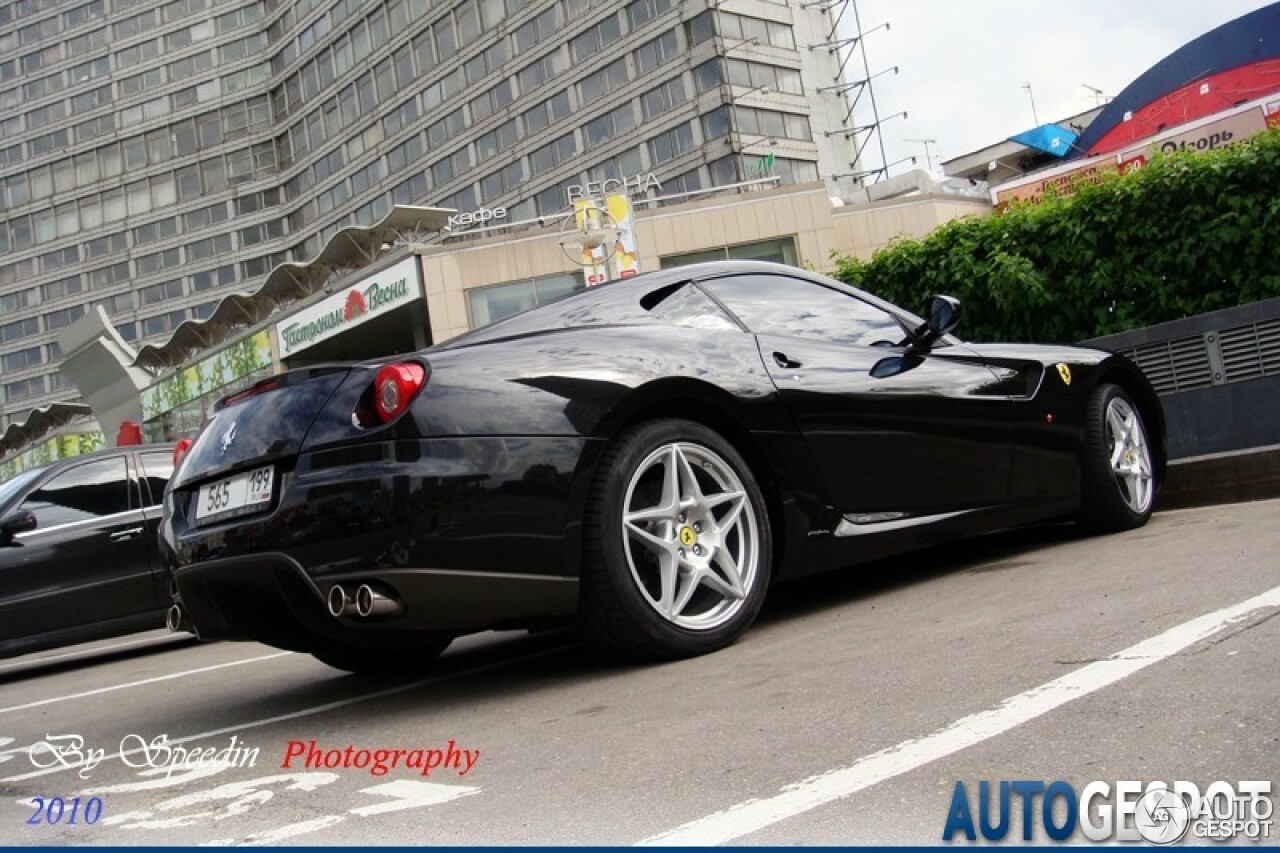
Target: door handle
point(785, 363)
point(125, 535)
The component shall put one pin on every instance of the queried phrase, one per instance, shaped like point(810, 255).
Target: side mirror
point(16, 522)
point(941, 318)
point(944, 315)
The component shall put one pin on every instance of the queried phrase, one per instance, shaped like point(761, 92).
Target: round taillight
point(394, 386)
point(180, 450)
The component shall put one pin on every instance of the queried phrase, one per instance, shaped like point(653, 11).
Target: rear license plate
point(238, 495)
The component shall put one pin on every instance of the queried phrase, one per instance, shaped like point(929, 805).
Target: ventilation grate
point(1178, 365)
point(1252, 351)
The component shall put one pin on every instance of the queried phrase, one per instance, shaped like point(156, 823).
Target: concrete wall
point(861, 230)
point(1218, 376)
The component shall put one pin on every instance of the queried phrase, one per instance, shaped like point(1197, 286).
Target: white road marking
point(753, 815)
point(305, 712)
point(408, 794)
point(88, 654)
point(141, 683)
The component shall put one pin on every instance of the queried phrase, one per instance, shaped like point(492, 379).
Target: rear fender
point(759, 429)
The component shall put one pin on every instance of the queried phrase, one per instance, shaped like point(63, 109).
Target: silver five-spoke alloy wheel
point(1130, 455)
point(691, 536)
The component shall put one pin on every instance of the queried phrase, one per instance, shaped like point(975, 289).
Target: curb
point(1242, 475)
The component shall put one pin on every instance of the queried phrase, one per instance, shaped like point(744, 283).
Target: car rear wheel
point(678, 545)
point(383, 662)
point(1118, 481)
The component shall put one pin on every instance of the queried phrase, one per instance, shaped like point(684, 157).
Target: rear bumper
point(270, 598)
point(467, 533)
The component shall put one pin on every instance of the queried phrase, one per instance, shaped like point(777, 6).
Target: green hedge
point(1187, 233)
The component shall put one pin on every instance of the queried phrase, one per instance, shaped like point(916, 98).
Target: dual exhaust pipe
point(365, 603)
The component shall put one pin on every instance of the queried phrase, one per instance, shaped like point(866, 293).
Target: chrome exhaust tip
point(370, 602)
point(340, 603)
point(176, 620)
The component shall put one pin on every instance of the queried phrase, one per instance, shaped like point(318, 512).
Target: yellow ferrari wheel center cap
point(687, 536)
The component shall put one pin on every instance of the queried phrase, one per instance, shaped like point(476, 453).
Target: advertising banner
point(209, 374)
point(624, 261)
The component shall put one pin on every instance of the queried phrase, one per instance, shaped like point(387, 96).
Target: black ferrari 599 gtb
point(642, 459)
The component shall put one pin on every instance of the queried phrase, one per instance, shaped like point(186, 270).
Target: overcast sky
point(963, 63)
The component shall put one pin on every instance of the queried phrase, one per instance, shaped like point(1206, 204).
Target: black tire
point(383, 662)
point(1109, 501)
point(618, 614)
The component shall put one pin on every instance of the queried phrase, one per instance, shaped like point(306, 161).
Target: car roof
point(619, 302)
point(57, 465)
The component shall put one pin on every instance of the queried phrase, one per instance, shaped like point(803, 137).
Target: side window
point(685, 305)
point(86, 491)
point(781, 305)
point(157, 468)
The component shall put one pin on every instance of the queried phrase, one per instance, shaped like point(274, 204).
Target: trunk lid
point(265, 423)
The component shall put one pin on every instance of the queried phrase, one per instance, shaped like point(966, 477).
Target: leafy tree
point(1187, 233)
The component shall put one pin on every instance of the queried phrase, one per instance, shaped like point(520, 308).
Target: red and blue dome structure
point(1230, 65)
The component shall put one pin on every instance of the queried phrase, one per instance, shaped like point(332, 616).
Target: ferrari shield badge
point(1065, 372)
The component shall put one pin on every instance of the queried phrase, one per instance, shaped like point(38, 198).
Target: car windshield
point(9, 488)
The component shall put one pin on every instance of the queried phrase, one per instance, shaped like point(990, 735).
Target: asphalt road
point(846, 716)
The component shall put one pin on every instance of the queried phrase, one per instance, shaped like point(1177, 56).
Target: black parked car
point(643, 458)
point(79, 558)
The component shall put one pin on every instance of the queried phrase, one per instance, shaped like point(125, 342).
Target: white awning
point(350, 248)
point(39, 423)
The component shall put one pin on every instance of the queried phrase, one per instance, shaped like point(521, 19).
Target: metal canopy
point(349, 248)
point(39, 423)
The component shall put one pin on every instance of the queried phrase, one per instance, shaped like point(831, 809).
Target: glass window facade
point(162, 156)
point(487, 304)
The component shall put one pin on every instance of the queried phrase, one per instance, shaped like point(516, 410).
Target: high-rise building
point(154, 158)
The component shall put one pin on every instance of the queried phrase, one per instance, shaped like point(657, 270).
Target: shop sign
point(1061, 184)
point(483, 216)
point(1216, 134)
point(634, 186)
point(395, 286)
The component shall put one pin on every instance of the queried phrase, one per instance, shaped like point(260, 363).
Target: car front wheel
point(1118, 481)
point(678, 545)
